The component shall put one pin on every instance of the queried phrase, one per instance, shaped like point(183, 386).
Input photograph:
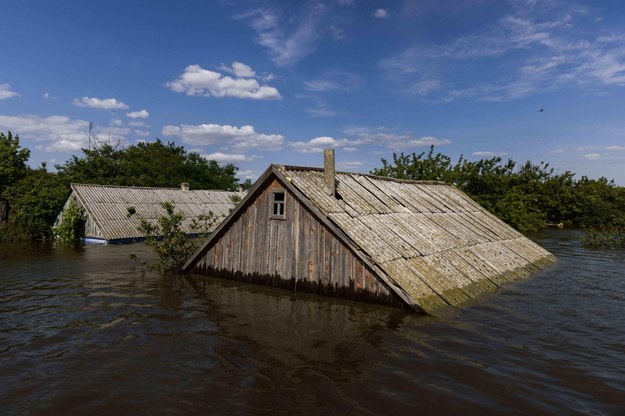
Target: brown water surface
point(87, 331)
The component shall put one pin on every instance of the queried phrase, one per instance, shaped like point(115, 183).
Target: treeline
point(527, 196)
point(34, 196)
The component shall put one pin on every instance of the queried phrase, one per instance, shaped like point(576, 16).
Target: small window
point(277, 205)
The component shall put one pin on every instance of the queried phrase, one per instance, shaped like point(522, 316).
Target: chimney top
point(185, 186)
point(329, 171)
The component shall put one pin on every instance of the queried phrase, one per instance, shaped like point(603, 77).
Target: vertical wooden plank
point(263, 229)
point(282, 241)
point(327, 259)
point(251, 221)
point(359, 274)
point(295, 240)
point(238, 241)
point(302, 271)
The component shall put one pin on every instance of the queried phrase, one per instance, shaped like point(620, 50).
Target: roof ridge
point(369, 175)
point(148, 187)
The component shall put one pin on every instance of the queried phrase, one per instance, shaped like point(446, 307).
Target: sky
point(260, 82)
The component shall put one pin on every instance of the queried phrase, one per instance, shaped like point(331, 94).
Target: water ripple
point(86, 331)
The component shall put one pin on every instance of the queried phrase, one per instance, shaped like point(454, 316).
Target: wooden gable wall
point(297, 252)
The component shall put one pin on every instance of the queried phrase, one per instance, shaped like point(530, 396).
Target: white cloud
point(423, 88)
point(47, 96)
point(394, 141)
point(615, 148)
point(235, 137)
point(409, 142)
point(406, 62)
point(242, 70)
point(287, 48)
point(533, 49)
point(5, 92)
point(318, 144)
point(102, 104)
point(141, 133)
point(54, 133)
point(350, 165)
point(228, 157)
point(320, 110)
point(138, 114)
point(114, 132)
point(334, 81)
point(488, 154)
point(381, 14)
point(592, 156)
point(608, 67)
point(248, 174)
point(196, 80)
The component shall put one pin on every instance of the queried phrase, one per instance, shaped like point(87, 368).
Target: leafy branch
point(71, 226)
point(167, 239)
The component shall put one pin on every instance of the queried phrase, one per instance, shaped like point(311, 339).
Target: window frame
point(277, 203)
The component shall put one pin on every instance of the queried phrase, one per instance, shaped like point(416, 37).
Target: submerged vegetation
point(167, 239)
point(604, 238)
point(71, 227)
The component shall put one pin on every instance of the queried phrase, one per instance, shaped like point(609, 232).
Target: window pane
point(278, 199)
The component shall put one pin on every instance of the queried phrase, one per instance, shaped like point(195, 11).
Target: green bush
point(166, 238)
point(71, 228)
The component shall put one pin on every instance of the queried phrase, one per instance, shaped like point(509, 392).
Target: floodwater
point(86, 331)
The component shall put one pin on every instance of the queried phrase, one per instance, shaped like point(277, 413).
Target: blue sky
point(260, 82)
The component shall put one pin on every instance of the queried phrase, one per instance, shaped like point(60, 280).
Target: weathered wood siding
point(298, 252)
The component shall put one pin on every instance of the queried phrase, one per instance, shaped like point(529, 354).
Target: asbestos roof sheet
point(108, 206)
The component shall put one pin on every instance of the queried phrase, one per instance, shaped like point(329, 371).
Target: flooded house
point(415, 244)
point(113, 213)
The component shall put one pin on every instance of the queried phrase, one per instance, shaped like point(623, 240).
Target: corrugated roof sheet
point(108, 206)
point(433, 240)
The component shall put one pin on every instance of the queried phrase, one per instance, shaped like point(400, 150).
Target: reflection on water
point(87, 331)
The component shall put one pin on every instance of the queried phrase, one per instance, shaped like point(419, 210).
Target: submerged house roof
point(426, 242)
point(106, 208)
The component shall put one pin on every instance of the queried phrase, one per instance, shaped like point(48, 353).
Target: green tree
point(166, 238)
point(148, 164)
point(13, 160)
point(526, 196)
point(101, 165)
point(599, 203)
point(34, 201)
point(418, 167)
